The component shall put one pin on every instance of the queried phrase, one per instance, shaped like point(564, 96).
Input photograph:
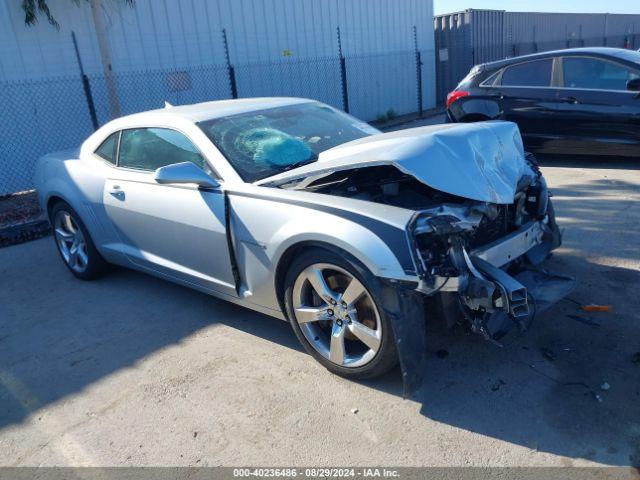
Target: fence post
point(230, 69)
point(343, 75)
point(105, 57)
point(418, 68)
point(85, 85)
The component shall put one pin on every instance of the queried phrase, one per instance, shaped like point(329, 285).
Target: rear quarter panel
point(80, 183)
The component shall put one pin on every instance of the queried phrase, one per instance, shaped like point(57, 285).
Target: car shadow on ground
point(55, 343)
point(570, 386)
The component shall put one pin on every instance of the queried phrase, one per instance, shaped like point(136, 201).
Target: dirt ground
point(132, 370)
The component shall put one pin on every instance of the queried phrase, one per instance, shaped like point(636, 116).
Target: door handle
point(572, 100)
point(117, 192)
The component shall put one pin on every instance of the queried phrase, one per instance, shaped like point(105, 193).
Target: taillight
point(455, 95)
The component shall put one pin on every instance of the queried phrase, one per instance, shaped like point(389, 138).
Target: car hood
point(479, 161)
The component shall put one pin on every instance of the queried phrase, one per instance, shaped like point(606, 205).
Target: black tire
point(386, 357)
point(96, 266)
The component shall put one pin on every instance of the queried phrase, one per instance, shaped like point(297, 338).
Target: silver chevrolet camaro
point(297, 210)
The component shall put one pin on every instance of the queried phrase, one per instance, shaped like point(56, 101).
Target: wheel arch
point(290, 253)
point(86, 215)
point(52, 200)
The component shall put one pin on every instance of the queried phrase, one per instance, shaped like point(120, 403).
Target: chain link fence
point(53, 114)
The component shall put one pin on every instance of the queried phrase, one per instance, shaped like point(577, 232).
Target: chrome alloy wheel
point(337, 315)
point(71, 241)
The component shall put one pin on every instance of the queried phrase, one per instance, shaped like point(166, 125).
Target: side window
point(109, 148)
point(536, 73)
point(491, 80)
point(595, 74)
point(152, 148)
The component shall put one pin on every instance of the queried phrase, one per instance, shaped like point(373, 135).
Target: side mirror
point(634, 85)
point(184, 172)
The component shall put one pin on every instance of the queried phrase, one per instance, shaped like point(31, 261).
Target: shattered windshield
point(263, 143)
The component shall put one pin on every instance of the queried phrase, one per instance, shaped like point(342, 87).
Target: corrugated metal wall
point(487, 34)
point(185, 34)
point(476, 36)
point(169, 33)
point(453, 55)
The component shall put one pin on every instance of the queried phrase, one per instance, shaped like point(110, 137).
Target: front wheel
point(332, 306)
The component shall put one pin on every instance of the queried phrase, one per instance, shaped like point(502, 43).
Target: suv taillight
point(455, 95)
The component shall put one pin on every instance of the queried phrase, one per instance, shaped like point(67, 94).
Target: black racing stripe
point(395, 238)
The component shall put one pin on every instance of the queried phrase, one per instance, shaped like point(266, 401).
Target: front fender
point(346, 235)
point(264, 229)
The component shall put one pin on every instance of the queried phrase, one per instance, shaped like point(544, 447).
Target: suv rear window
point(536, 73)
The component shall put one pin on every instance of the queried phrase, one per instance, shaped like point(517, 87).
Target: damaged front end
point(483, 259)
point(483, 223)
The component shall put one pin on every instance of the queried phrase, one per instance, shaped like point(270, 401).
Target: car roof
point(619, 53)
point(199, 112)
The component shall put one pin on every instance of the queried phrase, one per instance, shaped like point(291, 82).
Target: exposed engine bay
point(383, 184)
point(477, 258)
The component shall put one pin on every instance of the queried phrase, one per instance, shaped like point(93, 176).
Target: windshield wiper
point(299, 164)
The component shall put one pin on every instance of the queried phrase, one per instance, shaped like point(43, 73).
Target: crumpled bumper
point(493, 300)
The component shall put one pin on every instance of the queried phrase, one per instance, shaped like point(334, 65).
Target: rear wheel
point(74, 244)
point(332, 306)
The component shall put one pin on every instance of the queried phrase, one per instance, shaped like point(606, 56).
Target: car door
point(527, 98)
point(176, 231)
point(595, 111)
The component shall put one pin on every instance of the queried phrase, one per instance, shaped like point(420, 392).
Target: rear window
point(108, 149)
point(470, 76)
point(536, 73)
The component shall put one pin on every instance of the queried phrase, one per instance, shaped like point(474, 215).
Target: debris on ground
point(605, 386)
point(496, 386)
point(548, 354)
point(442, 353)
point(596, 308)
